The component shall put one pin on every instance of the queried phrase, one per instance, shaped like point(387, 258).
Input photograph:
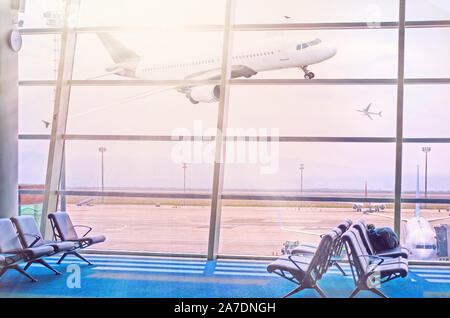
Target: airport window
point(337, 134)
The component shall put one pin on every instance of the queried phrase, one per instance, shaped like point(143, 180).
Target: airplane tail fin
point(379, 114)
point(118, 52)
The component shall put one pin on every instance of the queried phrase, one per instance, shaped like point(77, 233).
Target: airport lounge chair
point(305, 271)
point(28, 233)
point(371, 271)
point(12, 253)
point(361, 226)
point(336, 254)
point(64, 230)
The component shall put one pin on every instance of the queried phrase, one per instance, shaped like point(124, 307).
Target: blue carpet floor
point(179, 278)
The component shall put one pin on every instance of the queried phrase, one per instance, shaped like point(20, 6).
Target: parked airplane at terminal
point(367, 113)
point(420, 237)
point(271, 55)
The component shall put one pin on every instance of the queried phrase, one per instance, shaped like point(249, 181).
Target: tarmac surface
point(245, 230)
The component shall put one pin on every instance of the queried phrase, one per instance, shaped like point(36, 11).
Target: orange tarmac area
point(244, 230)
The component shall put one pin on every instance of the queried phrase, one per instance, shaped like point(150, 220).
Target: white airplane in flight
point(367, 113)
point(420, 237)
point(272, 55)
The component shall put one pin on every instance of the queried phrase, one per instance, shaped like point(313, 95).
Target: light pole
point(184, 166)
point(302, 167)
point(102, 150)
point(426, 150)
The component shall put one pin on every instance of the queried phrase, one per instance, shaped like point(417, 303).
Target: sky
point(293, 110)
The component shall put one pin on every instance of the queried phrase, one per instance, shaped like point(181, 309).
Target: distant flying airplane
point(367, 206)
point(367, 112)
point(46, 123)
point(286, 17)
point(420, 238)
point(270, 55)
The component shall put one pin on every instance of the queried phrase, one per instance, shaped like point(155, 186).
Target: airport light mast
point(102, 150)
point(426, 150)
point(301, 168)
point(184, 166)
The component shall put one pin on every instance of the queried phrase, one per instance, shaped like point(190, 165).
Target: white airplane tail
point(118, 52)
point(379, 114)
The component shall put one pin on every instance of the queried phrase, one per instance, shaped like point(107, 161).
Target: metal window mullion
point(216, 202)
point(399, 142)
point(59, 121)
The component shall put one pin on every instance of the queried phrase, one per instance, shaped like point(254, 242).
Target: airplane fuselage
point(266, 57)
point(420, 239)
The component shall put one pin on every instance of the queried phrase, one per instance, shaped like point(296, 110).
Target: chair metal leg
point(295, 291)
point(41, 261)
point(353, 294)
point(81, 257)
point(376, 291)
point(62, 257)
point(27, 266)
point(340, 268)
point(3, 271)
point(17, 268)
point(321, 293)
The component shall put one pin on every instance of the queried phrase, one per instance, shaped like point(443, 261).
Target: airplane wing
point(215, 74)
point(293, 230)
point(438, 219)
point(368, 107)
point(368, 115)
point(389, 216)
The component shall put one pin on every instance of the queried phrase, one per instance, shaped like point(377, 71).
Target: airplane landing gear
point(308, 74)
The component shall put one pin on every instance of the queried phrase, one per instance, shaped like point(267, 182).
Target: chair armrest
point(36, 238)
point(89, 229)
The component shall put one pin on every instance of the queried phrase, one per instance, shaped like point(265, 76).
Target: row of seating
point(22, 242)
point(307, 263)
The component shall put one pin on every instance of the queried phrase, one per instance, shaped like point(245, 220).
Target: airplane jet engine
point(204, 94)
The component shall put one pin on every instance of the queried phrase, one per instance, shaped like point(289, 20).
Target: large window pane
point(315, 110)
point(430, 45)
point(426, 111)
point(133, 166)
point(150, 13)
point(427, 10)
point(158, 51)
point(138, 224)
point(38, 101)
point(333, 168)
point(39, 56)
point(303, 11)
point(263, 228)
point(360, 53)
point(124, 110)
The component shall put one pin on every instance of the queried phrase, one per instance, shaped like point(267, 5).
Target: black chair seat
point(394, 266)
point(38, 252)
point(61, 246)
point(395, 252)
point(304, 249)
point(93, 239)
point(285, 264)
